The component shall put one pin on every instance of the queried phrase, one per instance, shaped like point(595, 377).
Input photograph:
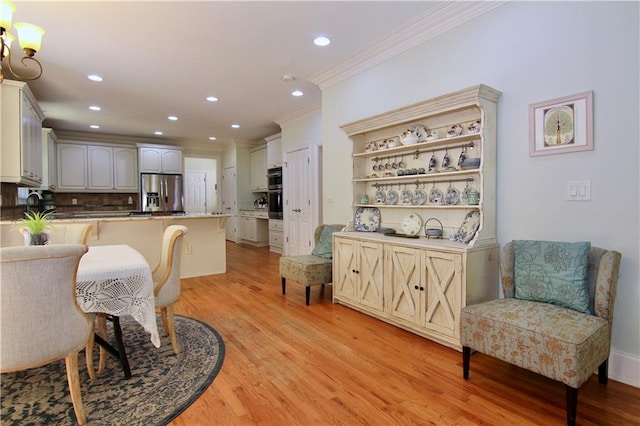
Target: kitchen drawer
point(276, 239)
point(276, 224)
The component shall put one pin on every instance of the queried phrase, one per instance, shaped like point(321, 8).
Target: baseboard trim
point(625, 368)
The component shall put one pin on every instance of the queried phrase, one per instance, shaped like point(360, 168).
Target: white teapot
point(413, 135)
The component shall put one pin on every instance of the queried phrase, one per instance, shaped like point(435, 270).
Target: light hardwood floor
point(325, 364)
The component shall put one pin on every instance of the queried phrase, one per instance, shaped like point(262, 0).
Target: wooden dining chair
point(40, 321)
point(166, 279)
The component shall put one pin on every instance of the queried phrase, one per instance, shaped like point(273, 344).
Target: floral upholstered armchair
point(556, 316)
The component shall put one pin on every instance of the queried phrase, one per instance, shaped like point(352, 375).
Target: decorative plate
point(406, 197)
point(469, 227)
point(411, 224)
point(380, 197)
point(454, 131)
point(474, 127)
point(452, 196)
point(435, 196)
point(392, 197)
point(464, 196)
point(419, 197)
point(367, 219)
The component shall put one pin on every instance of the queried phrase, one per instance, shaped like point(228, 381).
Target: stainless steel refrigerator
point(161, 193)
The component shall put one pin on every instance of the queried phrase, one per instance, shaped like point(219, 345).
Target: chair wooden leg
point(572, 405)
point(165, 321)
point(102, 332)
point(88, 351)
point(466, 357)
point(71, 362)
point(603, 372)
point(307, 293)
point(171, 329)
point(284, 285)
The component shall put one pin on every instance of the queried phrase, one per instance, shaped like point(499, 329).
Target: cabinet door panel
point(403, 276)
point(72, 167)
point(171, 161)
point(344, 267)
point(125, 166)
point(443, 273)
point(370, 274)
point(100, 167)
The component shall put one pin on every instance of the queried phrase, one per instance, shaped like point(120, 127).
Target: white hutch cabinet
point(421, 284)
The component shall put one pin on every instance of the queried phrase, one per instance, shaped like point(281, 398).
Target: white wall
point(302, 131)
point(531, 51)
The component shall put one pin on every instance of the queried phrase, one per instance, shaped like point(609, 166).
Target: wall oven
point(274, 182)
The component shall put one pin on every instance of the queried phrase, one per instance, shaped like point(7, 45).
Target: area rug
point(162, 385)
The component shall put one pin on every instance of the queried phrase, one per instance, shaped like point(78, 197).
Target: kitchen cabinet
point(160, 160)
point(125, 167)
point(358, 273)
point(96, 168)
point(274, 151)
point(49, 160)
point(259, 170)
point(276, 235)
point(20, 135)
point(100, 167)
point(254, 227)
point(420, 285)
point(72, 167)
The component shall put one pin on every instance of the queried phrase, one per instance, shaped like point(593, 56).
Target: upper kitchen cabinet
point(20, 135)
point(96, 168)
point(274, 151)
point(259, 170)
point(49, 156)
point(159, 160)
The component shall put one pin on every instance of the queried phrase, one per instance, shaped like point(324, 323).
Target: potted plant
point(35, 226)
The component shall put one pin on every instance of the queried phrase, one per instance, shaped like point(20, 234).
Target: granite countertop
point(119, 216)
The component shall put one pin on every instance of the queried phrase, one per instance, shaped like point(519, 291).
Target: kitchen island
point(203, 247)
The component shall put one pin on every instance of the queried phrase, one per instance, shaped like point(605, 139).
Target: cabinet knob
point(421, 288)
point(415, 286)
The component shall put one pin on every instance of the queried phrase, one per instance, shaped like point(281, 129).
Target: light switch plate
point(578, 190)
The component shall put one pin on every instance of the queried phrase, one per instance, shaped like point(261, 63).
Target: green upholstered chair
point(554, 341)
point(310, 270)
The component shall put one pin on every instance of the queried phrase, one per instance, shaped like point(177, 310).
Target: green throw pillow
point(324, 246)
point(552, 272)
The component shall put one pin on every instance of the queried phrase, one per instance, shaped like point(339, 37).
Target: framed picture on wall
point(561, 125)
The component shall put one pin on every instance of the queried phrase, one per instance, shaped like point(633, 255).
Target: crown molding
point(424, 27)
point(308, 111)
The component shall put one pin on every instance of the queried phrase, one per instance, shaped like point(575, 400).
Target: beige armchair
point(166, 279)
point(312, 269)
point(553, 340)
point(40, 321)
point(65, 233)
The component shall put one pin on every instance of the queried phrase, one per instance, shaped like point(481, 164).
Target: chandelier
point(30, 38)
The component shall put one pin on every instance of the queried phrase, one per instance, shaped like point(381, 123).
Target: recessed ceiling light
point(297, 93)
point(94, 126)
point(235, 126)
point(321, 41)
point(158, 132)
point(94, 77)
point(172, 117)
point(212, 99)
point(212, 138)
point(95, 108)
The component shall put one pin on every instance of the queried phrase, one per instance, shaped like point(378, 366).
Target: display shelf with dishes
point(442, 168)
point(443, 146)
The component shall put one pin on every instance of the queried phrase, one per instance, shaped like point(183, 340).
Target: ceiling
point(164, 58)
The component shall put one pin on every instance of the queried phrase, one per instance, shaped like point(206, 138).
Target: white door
point(298, 205)
point(195, 196)
point(230, 202)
